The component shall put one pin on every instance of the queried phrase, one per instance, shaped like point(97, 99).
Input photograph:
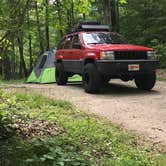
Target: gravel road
point(121, 103)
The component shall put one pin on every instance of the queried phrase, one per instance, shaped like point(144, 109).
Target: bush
point(160, 49)
point(48, 152)
point(7, 129)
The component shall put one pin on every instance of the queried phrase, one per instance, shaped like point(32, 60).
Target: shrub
point(7, 129)
point(160, 49)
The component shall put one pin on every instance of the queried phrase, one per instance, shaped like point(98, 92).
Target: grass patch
point(12, 81)
point(84, 139)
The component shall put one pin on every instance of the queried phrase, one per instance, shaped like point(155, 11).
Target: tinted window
point(76, 40)
point(68, 42)
point(103, 38)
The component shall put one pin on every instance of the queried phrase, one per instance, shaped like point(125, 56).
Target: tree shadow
point(121, 89)
point(116, 89)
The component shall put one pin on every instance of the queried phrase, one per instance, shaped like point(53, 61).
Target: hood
point(118, 47)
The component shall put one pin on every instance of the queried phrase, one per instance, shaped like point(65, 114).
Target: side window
point(60, 44)
point(68, 42)
point(43, 62)
point(76, 41)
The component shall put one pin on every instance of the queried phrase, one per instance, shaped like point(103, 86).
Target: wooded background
point(30, 27)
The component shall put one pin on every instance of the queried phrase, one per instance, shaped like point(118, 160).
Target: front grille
point(130, 55)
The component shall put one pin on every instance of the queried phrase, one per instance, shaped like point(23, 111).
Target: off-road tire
point(60, 74)
point(91, 79)
point(146, 81)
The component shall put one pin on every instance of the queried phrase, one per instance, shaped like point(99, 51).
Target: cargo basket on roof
point(90, 26)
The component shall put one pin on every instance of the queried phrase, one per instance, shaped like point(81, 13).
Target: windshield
point(103, 38)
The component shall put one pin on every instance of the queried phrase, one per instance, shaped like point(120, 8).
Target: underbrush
point(78, 138)
point(161, 74)
point(12, 81)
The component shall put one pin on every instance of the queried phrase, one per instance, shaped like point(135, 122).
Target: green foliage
point(122, 1)
point(160, 50)
point(6, 116)
point(85, 140)
point(143, 22)
point(52, 153)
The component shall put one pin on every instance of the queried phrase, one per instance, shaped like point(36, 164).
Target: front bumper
point(118, 67)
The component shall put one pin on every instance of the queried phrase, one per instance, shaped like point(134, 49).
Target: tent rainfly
point(44, 71)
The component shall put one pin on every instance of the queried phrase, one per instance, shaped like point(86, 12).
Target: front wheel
point(146, 81)
point(91, 79)
point(60, 74)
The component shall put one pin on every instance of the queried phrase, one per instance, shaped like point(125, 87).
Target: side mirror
point(77, 46)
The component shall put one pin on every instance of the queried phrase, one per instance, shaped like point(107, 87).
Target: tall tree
point(59, 11)
point(22, 6)
point(107, 12)
point(39, 28)
point(21, 51)
point(47, 24)
point(30, 44)
point(115, 15)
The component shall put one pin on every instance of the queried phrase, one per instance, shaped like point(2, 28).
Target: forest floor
point(144, 113)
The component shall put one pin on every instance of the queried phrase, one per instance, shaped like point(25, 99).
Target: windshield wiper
point(95, 43)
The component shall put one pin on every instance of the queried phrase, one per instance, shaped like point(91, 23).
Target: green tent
point(44, 71)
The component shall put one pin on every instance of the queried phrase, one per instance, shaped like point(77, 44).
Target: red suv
point(99, 55)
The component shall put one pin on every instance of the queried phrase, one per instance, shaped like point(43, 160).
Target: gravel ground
point(121, 103)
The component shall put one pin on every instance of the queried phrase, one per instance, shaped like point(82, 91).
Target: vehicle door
point(76, 54)
point(67, 54)
point(60, 49)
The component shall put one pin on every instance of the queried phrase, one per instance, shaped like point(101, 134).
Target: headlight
point(151, 55)
point(107, 55)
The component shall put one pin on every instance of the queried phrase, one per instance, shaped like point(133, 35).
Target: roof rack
point(89, 26)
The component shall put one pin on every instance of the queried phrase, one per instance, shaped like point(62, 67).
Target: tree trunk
point(30, 46)
point(1, 67)
point(6, 66)
point(84, 16)
point(1, 63)
point(22, 68)
point(47, 25)
point(30, 53)
point(68, 19)
point(72, 13)
point(38, 28)
point(107, 12)
point(114, 16)
point(60, 17)
point(13, 65)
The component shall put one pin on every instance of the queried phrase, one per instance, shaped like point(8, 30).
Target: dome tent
point(44, 71)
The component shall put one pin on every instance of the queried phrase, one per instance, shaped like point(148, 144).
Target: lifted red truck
point(99, 55)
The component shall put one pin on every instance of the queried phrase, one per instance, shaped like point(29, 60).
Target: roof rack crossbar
point(95, 27)
point(90, 26)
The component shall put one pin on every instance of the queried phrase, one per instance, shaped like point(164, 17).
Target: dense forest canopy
point(30, 27)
